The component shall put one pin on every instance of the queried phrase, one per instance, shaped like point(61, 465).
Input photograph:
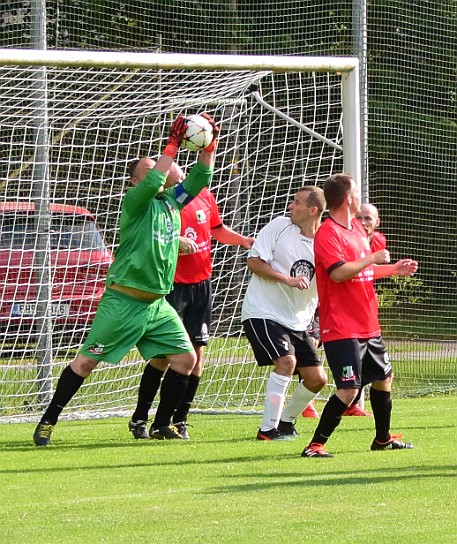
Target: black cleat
point(165, 433)
point(42, 434)
point(393, 444)
point(287, 428)
point(182, 429)
point(138, 429)
point(273, 434)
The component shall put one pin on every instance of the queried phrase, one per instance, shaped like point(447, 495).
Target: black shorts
point(270, 340)
point(357, 362)
point(193, 303)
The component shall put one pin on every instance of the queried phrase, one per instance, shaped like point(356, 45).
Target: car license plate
point(29, 309)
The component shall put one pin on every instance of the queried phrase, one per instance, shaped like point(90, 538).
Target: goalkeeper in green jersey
point(133, 310)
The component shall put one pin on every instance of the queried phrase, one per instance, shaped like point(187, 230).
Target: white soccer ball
point(199, 133)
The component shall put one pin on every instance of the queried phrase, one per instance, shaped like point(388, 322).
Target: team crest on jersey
point(201, 216)
point(189, 232)
point(302, 269)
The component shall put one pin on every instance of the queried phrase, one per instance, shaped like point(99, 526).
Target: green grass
point(95, 484)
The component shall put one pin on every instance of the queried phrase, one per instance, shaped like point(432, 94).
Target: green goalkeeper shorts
point(123, 322)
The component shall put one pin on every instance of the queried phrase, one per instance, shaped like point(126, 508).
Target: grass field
point(95, 484)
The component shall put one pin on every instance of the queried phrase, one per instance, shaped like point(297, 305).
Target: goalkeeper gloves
point(212, 146)
point(177, 131)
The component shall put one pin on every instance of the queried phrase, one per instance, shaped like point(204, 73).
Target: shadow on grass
point(332, 479)
point(153, 462)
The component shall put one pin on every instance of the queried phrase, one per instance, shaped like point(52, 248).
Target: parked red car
point(78, 259)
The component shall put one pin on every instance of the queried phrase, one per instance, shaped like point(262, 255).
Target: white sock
point(299, 400)
point(275, 397)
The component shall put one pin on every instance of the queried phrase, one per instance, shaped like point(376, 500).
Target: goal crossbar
point(166, 61)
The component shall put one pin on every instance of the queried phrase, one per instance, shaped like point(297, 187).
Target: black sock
point(149, 385)
point(330, 419)
point(67, 386)
point(172, 391)
point(381, 404)
point(184, 406)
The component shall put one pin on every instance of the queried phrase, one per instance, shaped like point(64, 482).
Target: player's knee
point(285, 366)
point(159, 363)
point(183, 363)
point(83, 366)
point(314, 378)
point(322, 380)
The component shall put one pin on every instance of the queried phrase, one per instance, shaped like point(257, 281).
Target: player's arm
point(138, 197)
point(225, 235)
point(349, 270)
point(404, 267)
point(263, 269)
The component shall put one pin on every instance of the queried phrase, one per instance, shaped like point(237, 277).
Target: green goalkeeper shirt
point(150, 226)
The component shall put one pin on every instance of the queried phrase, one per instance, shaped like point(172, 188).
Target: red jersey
point(378, 241)
point(348, 309)
point(197, 219)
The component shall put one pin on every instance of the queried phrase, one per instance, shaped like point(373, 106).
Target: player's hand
point(381, 257)
point(406, 267)
point(212, 146)
point(177, 131)
point(187, 246)
point(248, 242)
point(299, 283)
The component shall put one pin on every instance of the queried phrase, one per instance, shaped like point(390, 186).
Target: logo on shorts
point(347, 374)
point(302, 269)
point(96, 348)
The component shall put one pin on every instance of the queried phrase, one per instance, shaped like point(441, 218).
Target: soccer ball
point(198, 135)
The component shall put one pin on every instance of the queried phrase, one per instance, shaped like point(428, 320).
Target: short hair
point(315, 196)
point(132, 167)
point(336, 189)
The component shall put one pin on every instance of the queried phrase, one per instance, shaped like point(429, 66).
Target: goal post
point(70, 123)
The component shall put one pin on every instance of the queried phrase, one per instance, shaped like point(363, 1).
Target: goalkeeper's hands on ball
point(212, 146)
point(177, 131)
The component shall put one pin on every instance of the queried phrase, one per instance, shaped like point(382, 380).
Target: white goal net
point(69, 126)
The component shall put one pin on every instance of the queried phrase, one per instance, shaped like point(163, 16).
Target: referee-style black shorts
point(193, 303)
point(357, 362)
point(270, 340)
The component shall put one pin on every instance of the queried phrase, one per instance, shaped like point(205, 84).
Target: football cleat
point(356, 410)
point(272, 434)
point(310, 411)
point(315, 450)
point(42, 434)
point(394, 443)
point(182, 429)
point(287, 428)
point(138, 429)
point(169, 432)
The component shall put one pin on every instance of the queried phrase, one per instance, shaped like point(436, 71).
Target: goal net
point(70, 123)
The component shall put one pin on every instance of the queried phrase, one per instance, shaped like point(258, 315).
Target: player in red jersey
point(191, 298)
point(348, 309)
point(369, 218)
